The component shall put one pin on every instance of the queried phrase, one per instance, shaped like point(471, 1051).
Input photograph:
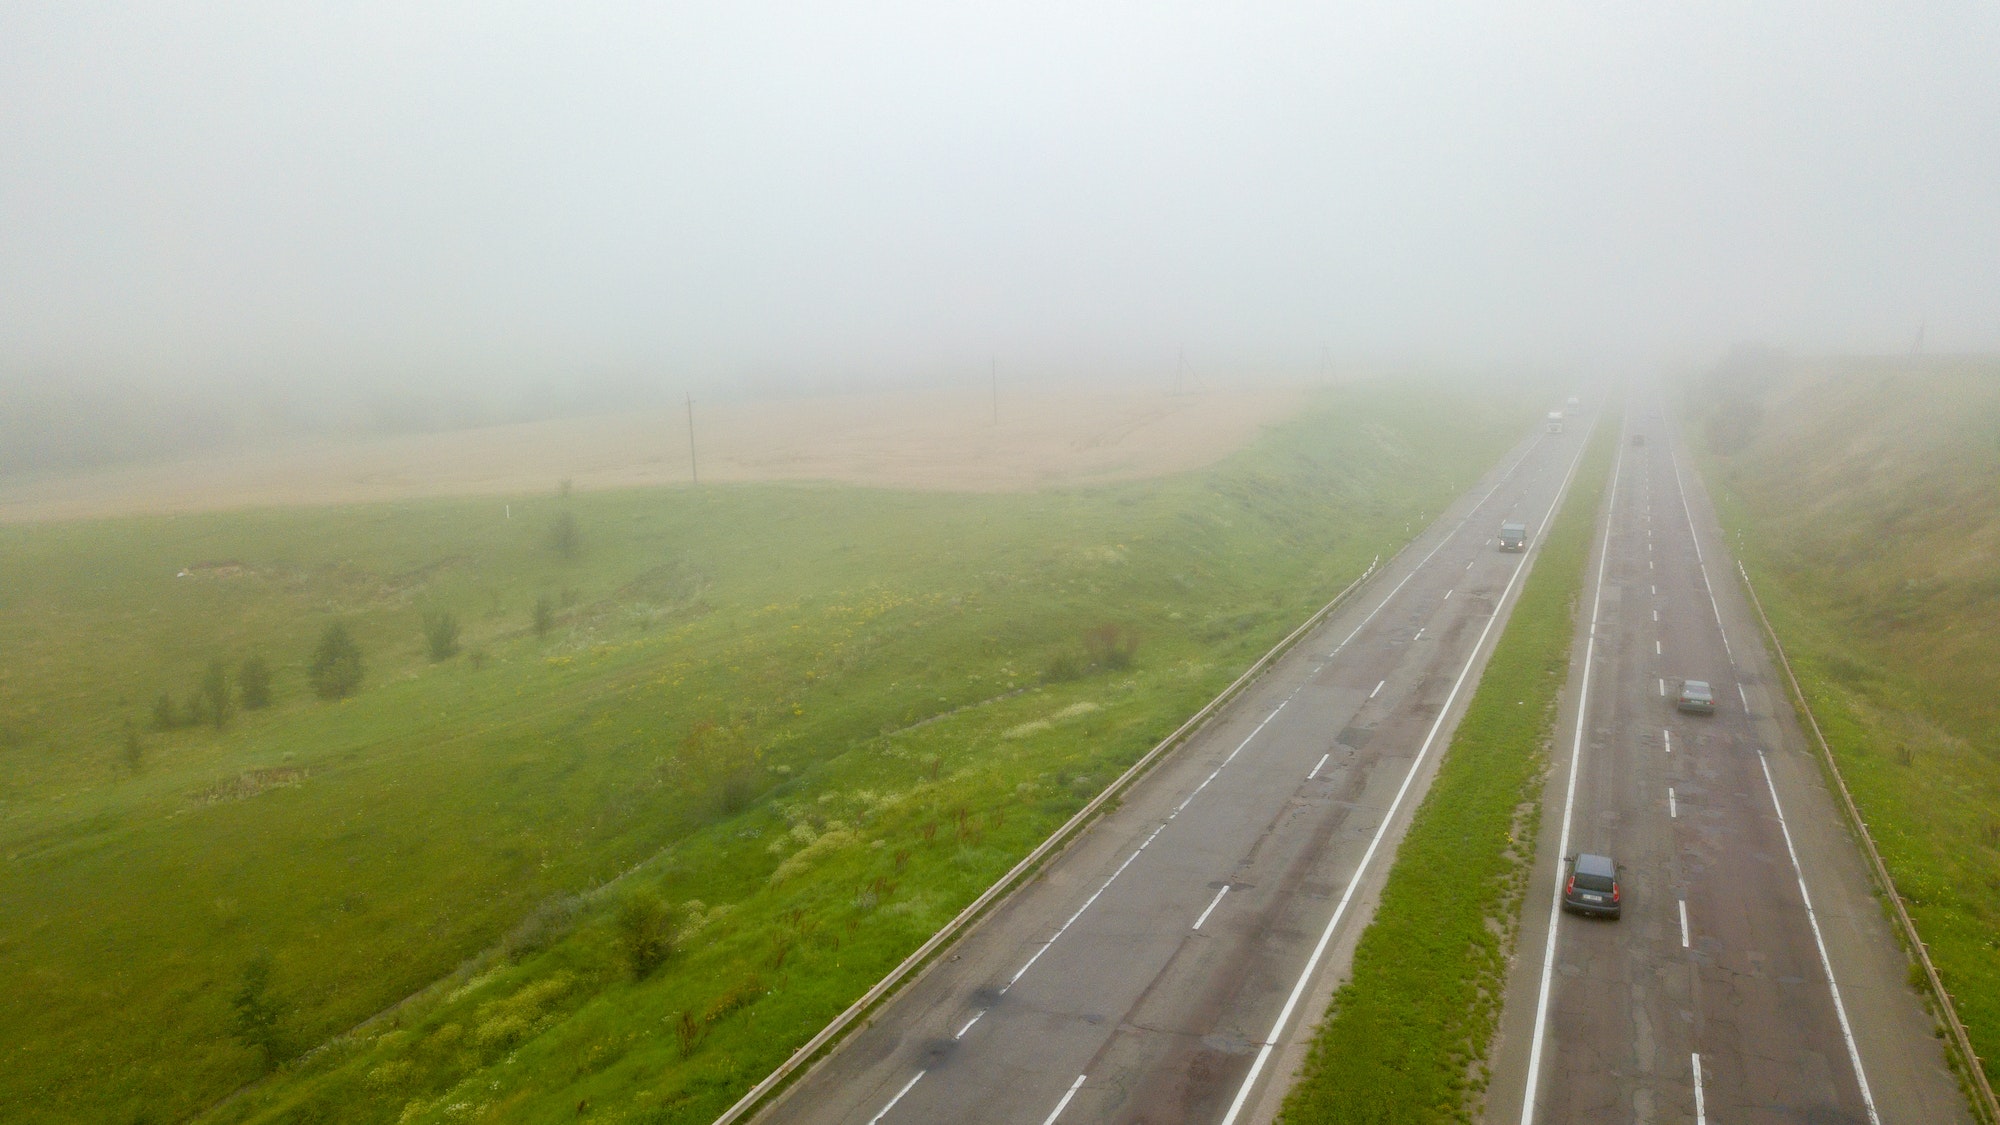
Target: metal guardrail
point(1013, 879)
point(1981, 1090)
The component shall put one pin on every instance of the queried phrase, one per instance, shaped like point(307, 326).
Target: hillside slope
point(1865, 498)
point(757, 743)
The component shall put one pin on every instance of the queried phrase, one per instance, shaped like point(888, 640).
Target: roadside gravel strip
point(1418, 1012)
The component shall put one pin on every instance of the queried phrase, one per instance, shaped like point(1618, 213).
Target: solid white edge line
point(1213, 903)
point(1064, 1103)
point(1684, 922)
point(899, 1097)
point(1569, 807)
point(1340, 909)
point(1700, 1103)
point(1825, 962)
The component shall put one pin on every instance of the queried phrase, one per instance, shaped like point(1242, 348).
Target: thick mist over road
point(398, 218)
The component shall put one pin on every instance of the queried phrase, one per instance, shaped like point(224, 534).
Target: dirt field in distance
point(930, 440)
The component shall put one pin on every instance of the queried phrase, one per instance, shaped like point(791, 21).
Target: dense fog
point(219, 221)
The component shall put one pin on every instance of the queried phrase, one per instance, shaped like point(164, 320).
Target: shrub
point(1111, 646)
point(135, 751)
point(545, 615)
point(441, 634)
point(1061, 668)
point(646, 931)
point(335, 670)
point(253, 681)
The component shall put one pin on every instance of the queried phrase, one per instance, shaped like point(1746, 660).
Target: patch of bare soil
point(934, 440)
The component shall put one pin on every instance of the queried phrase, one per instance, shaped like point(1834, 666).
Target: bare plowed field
point(933, 440)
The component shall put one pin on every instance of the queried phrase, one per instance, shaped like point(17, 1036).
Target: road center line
point(1656, 649)
point(1673, 807)
point(1213, 903)
point(1826, 963)
point(1684, 923)
point(969, 1023)
point(1448, 593)
point(1744, 698)
point(1272, 1039)
point(1663, 689)
point(1378, 688)
point(1667, 737)
point(1322, 762)
point(1569, 807)
point(1064, 1103)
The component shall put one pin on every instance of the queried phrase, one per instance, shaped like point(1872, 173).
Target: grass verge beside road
point(1406, 1038)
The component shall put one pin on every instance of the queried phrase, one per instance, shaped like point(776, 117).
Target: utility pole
point(996, 390)
point(694, 466)
point(1919, 348)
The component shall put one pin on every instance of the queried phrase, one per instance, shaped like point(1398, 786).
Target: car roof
point(1588, 864)
point(1513, 527)
point(1694, 685)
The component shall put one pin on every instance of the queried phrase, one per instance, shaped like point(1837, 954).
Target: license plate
point(1593, 898)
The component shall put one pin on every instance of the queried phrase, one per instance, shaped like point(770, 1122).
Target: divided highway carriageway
point(1753, 976)
point(1168, 964)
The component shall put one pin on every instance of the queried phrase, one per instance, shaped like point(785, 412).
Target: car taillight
point(1614, 892)
point(1570, 887)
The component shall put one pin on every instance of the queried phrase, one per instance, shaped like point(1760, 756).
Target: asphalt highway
point(1163, 967)
point(1753, 976)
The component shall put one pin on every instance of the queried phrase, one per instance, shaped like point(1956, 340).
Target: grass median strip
point(1406, 1037)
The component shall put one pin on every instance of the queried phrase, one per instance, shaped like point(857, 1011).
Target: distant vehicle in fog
point(1513, 536)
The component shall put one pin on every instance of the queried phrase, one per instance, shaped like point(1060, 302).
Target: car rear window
point(1594, 883)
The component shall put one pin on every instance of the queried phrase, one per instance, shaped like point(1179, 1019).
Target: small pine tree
point(135, 750)
point(254, 1016)
point(441, 634)
point(253, 681)
point(216, 703)
point(335, 670)
point(563, 537)
point(165, 715)
point(545, 615)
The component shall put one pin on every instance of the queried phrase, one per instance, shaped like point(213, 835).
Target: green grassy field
point(1406, 1037)
point(1864, 500)
point(777, 733)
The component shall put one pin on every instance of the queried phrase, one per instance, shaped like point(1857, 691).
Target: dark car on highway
point(1593, 887)
point(1696, 697)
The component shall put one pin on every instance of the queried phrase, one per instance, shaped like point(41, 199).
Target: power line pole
point(694, 466)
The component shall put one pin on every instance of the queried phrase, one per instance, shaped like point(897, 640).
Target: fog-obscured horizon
point(394, 217)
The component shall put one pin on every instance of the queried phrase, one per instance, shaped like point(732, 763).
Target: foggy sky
point(730, 191)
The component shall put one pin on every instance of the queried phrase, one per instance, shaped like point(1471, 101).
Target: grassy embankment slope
point(1864, 500)
point(1405, 1039)
point(816, 720)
